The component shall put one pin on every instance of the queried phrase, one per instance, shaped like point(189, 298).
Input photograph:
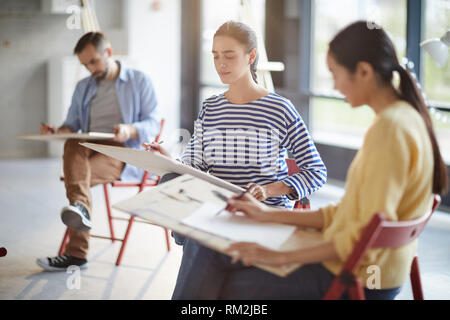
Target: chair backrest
point(380, 233)
point(292, 166)
point(398, 233)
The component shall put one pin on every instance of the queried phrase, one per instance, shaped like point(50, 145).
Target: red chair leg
point(356, 292)
point(62, 248)
point(335, 291)
point(167, 239)
point(125, 239)
point(416, 283)
point(108, 209)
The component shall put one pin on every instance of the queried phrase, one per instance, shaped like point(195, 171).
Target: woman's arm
point(313, 172)
point(277, 189)
point(301, 218)
point(251, 253)
point(260, 212)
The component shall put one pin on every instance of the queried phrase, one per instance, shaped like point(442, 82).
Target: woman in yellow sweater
point(397, 171)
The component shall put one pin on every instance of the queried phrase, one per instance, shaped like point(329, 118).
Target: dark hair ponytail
point(357, 42)
point(245, 35)
point(411, 93)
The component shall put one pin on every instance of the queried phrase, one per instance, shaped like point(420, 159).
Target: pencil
point(238, 198)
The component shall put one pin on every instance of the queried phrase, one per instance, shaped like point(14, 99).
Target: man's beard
point(99, 76)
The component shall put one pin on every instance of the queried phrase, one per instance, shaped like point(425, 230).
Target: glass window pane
point(391, 15)
point(437, 79)
point(339, 123)
point(329, 17)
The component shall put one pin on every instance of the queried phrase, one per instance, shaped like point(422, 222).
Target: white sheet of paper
point(65, 136)
point(158, 164)
point(238, 228)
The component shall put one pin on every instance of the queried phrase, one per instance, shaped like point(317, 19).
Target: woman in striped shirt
point(243, 136)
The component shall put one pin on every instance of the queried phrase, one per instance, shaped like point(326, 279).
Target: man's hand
point(64, 129)
point(47, 129)
point(123, 132)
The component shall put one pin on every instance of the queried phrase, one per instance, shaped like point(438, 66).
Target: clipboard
point(157, 163)
point(65, 136)
point(156, 207)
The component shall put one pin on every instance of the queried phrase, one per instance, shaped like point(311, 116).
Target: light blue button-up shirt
point(138, 106)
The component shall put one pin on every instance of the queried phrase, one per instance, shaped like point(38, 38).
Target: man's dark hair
point(97, 39)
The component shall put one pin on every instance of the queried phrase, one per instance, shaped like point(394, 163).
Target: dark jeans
point(208, 274)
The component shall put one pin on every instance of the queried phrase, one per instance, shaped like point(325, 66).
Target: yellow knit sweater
point(392, 173)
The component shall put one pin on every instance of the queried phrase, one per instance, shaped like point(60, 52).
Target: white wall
point(154, 45)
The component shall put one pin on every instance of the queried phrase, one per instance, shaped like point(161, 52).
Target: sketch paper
point(238, 228)
point(65, 136)
point(176, 199)
point(166, 206)
point(157, 163)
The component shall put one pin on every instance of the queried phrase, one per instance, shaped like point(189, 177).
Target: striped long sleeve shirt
point(244, 143)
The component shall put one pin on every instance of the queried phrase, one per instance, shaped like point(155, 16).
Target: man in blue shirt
point(113, 99)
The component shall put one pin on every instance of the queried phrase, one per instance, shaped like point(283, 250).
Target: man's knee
point(72, 144)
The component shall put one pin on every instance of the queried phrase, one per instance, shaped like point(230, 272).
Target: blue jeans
point(208, 274)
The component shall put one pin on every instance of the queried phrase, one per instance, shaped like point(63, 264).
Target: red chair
point(145, 182)
point(380, 233)
point(293, 169)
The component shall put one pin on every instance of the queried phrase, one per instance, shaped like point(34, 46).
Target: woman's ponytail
point(411, 93)
point(253, 69)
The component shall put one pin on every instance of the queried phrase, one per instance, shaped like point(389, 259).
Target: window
point(437, 79)
point(214, 14)
point(333, 120)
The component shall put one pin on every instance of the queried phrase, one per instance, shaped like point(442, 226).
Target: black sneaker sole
point(74, 219)
point(47, 267)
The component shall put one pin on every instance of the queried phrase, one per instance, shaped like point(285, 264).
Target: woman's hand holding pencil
point(155, 146)
point(248, 205)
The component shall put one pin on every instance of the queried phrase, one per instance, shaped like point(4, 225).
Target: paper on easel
point(65, 136)
point(157, 163)
point(238, 228)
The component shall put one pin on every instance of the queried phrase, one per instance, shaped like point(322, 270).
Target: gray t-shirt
point(105, 110)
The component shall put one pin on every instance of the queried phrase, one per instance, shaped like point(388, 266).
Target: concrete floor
point(31, 197)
